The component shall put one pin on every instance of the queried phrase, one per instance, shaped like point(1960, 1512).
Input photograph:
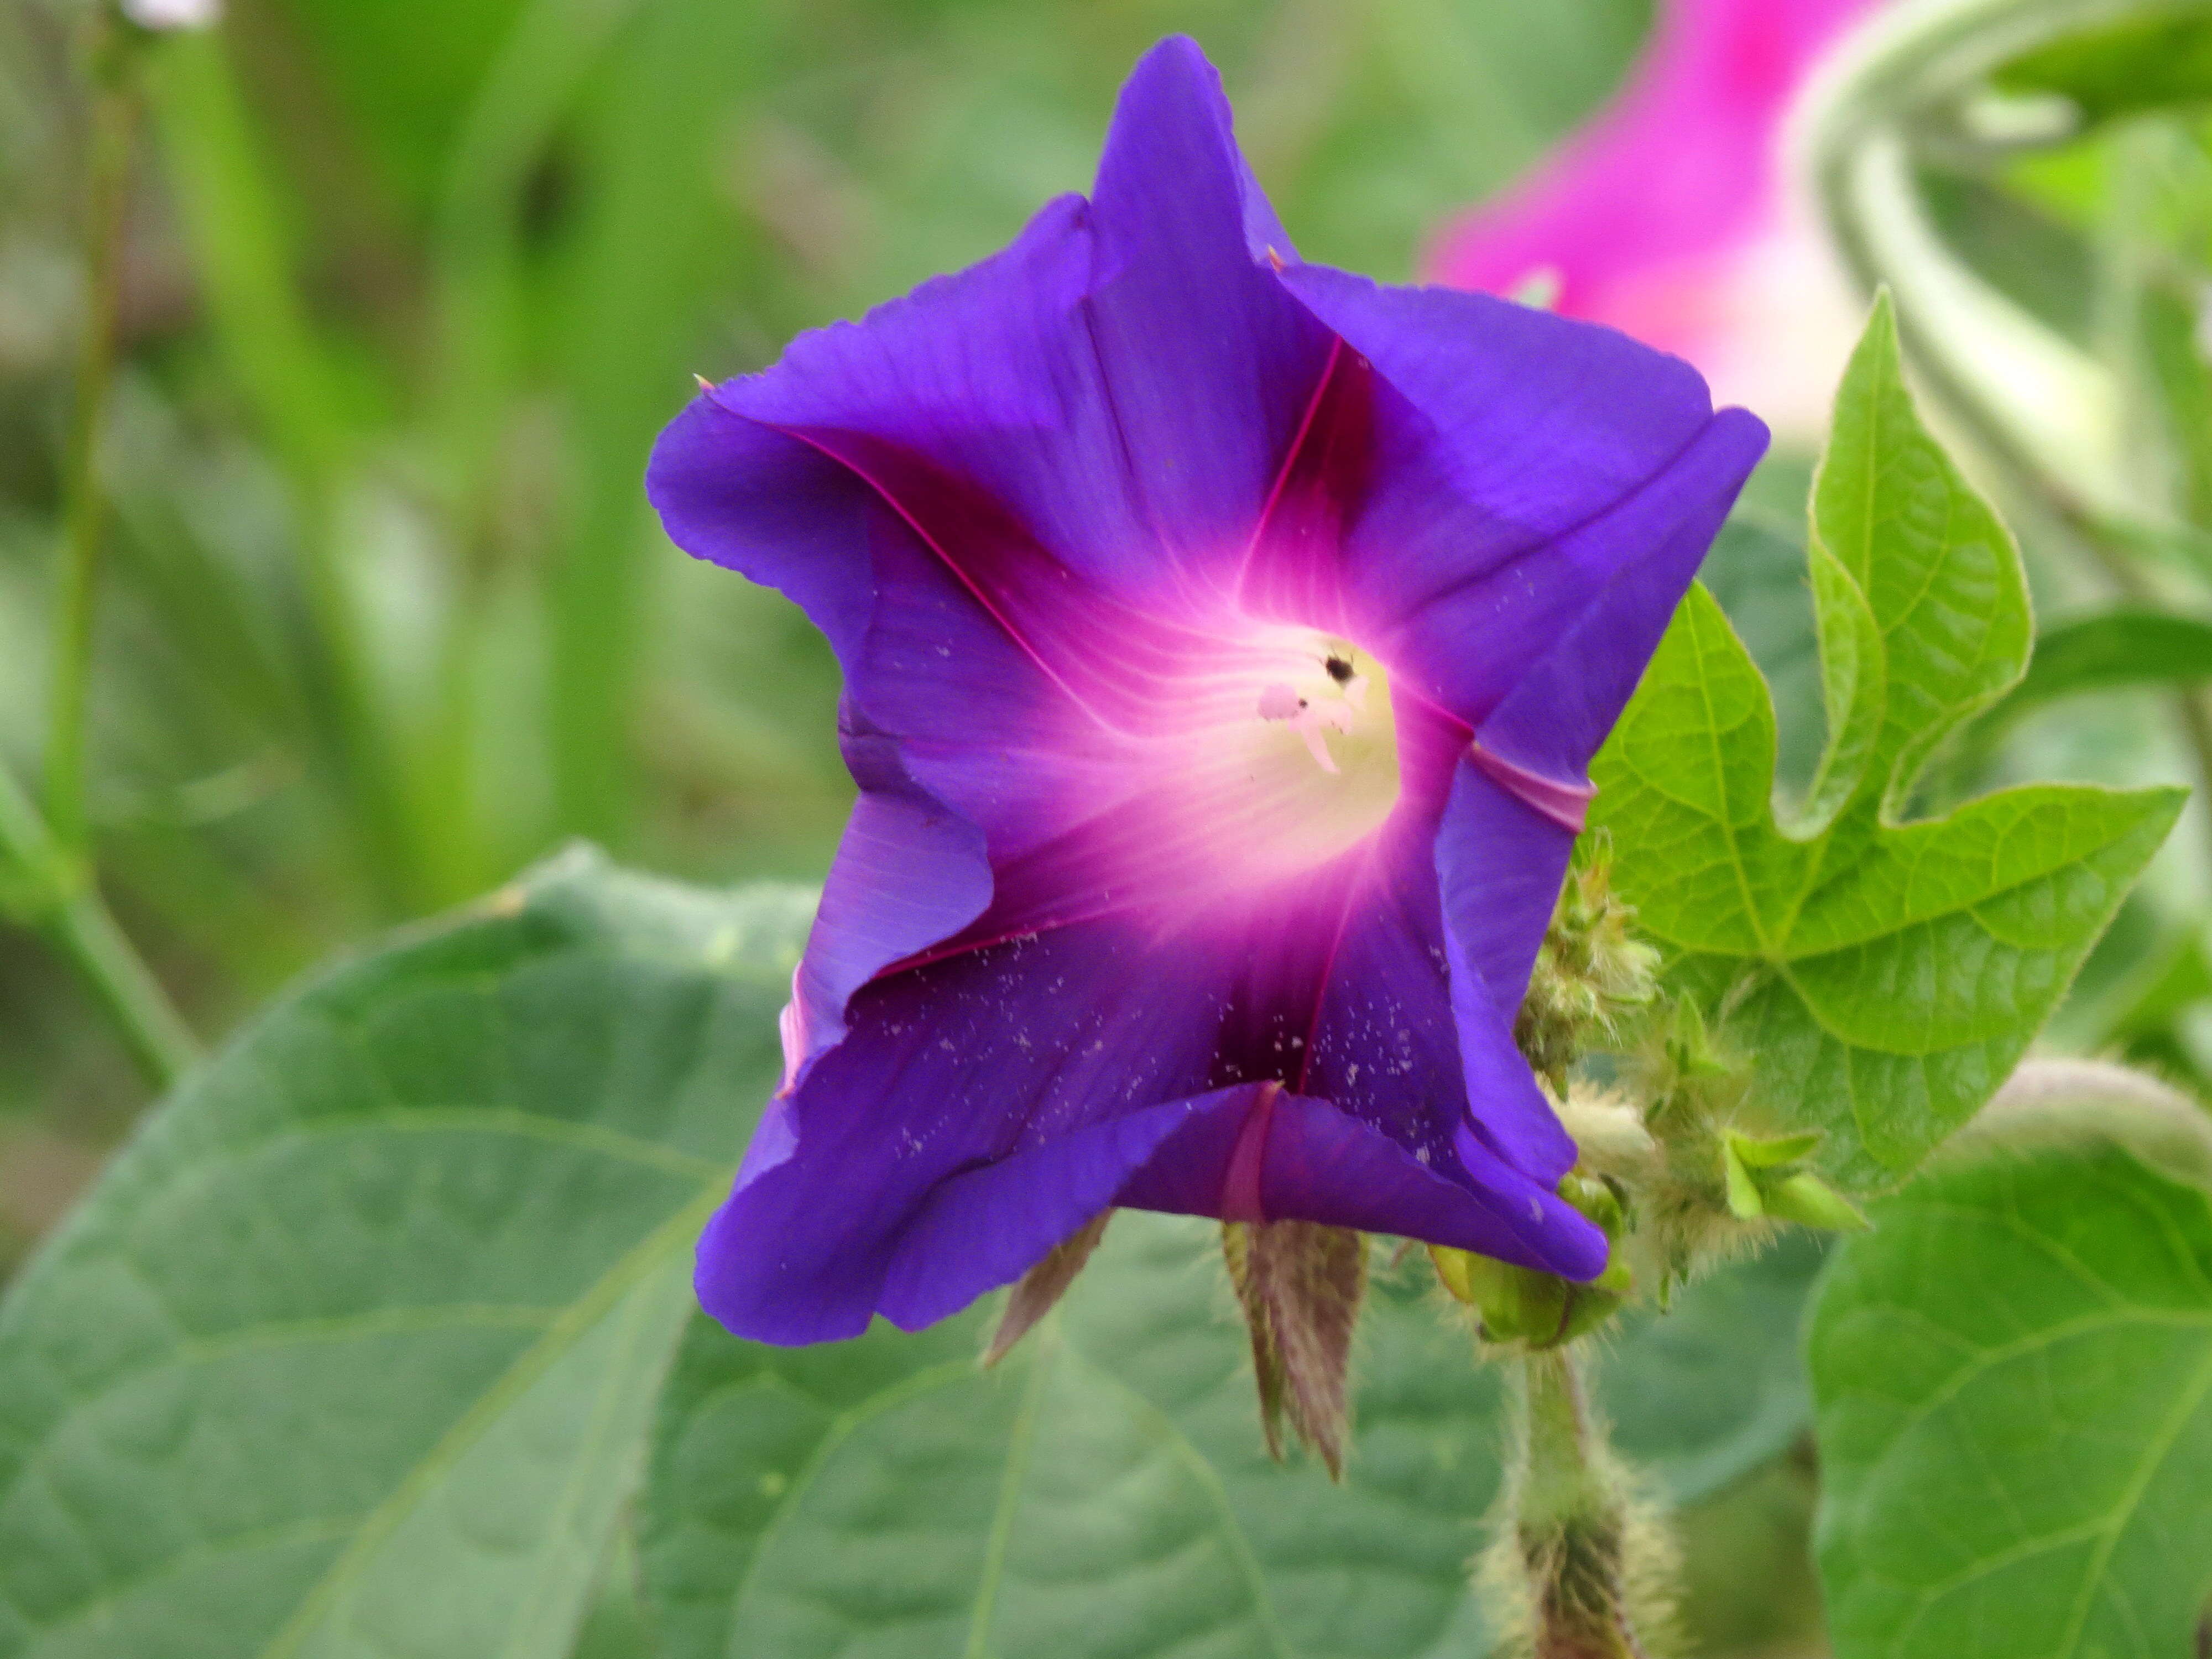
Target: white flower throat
point(1309, 751)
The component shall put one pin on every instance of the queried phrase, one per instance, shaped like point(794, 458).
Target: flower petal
point(944, 1069)
point(1506, 441)
point(986, 1227)
point(1499, 862)
point(811, 1249)
point(907, 873)
point(1317, 1163)
point(1322, 1165)
point(1412, 1039)
point(1502, 848)
point(1209, 364)
point(762, 503)
point(1649, 546)
point(1508, 1117)
point(1000, 1090)
point(988, 375)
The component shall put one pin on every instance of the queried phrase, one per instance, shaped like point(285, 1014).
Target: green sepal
point(1809, 1201)
point(1743, 1196)
point(1771, 1151)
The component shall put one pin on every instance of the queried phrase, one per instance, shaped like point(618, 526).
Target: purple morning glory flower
point(1226, 642)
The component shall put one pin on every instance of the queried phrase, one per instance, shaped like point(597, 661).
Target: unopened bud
point(1532, 1308)
point(1591, 975)
point(1514, 1304)
point(1761, 1183)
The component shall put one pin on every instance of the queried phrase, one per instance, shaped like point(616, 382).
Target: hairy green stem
point(58, 896)
point(114, 126)
point(1572, 1520)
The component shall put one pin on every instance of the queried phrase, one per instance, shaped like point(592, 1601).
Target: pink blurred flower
point(166, 15)
point(1669, 215)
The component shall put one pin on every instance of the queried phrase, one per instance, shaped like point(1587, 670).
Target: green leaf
point(1703, 1394)
point(353, 1350)
point(1106, 1490)
point(2013, 1375)
point(2123, 68)
point(1881, 976)
point(2128, 646)
point(1756, 569)
point(2146, 1017)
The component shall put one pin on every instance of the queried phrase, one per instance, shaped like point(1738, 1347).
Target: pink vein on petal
point(1566, 805)
point(1240, 1187)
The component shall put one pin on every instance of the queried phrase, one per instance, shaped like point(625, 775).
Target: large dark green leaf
point(1107, 1490)
point(2014, 1373)
point(353, 1350)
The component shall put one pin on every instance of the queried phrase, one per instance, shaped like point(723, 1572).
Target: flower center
point(1296, 759)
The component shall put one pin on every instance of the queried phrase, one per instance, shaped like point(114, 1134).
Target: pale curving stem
point(2058, 1102)
point(2045, 405)
point(2042, 1083)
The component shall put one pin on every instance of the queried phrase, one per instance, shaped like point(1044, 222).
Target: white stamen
point(1332, 706)
point(1316, 746)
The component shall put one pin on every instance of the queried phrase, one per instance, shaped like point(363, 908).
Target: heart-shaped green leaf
point(353, 1351)
point(2014, 1373)
point(1106, 1489)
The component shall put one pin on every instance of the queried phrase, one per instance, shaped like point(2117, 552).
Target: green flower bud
point(1535, 1309)
point(1591, 975)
